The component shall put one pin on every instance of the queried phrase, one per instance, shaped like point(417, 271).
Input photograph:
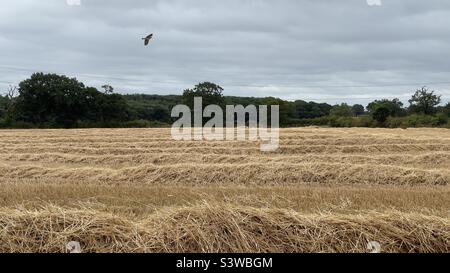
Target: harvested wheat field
point(137, 190)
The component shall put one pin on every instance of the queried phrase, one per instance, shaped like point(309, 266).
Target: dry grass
point(140, 201)
point(136, 190)
point(209, 228)
point(252, 174)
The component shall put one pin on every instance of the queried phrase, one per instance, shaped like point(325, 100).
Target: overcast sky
point(321, 50)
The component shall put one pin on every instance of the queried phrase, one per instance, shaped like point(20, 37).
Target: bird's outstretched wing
point(147, 39)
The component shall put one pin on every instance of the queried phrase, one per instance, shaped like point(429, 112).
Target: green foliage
point(209, 92)
point(335, 121)
point(442, 119)
point(4, 102)
point(7, 123)
point(416, 120)
point(396, 122)
point(394, 106)
point(363, 121)
point(358, 110)
point(446, 110)
point(54, 101)
point(420, 121)
point(50, 100)
point(342, 110)
point(424, 102)
point(340, 121)
point(123, 124)
point(302, 109)
point(381, 113)
point(144, 124)
point(108, 89)
point(284, 110)
point(291, 113)
point(245, 101)
point(111, 107)
point(151, 107)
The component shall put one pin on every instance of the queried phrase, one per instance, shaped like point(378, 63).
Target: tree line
point(57, 101)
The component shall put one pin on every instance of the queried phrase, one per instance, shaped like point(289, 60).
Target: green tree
point(50, 98)
point(305, 110)
point(3, 106)
point(211, 93)
point(112, 107)
point(342, 110)
point(108, 89)
point(381, 113)
point(395, 107)
point(446, 109)
point(284, 109)
point(7, 103)
point(424, 102)
point(358, 110)
point(151, 107)
point(59, 101)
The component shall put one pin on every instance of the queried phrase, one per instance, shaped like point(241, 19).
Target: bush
point(342, 110)
point(4, 123)
point(363, 121)
point(340, 121)
point(396, 122)
point(442, 119)
point(421, 121)
point(381, 114)
point(21, 125)
point(145, 124)
point(367, 121)
point(127, 124)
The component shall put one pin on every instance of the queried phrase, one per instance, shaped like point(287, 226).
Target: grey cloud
point(327, 50)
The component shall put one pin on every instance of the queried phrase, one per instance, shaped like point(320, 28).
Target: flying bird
point(147, 39)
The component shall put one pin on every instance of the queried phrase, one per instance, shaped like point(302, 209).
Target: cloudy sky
point(322, 50)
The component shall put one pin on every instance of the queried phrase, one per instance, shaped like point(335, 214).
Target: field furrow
point(138, 190)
